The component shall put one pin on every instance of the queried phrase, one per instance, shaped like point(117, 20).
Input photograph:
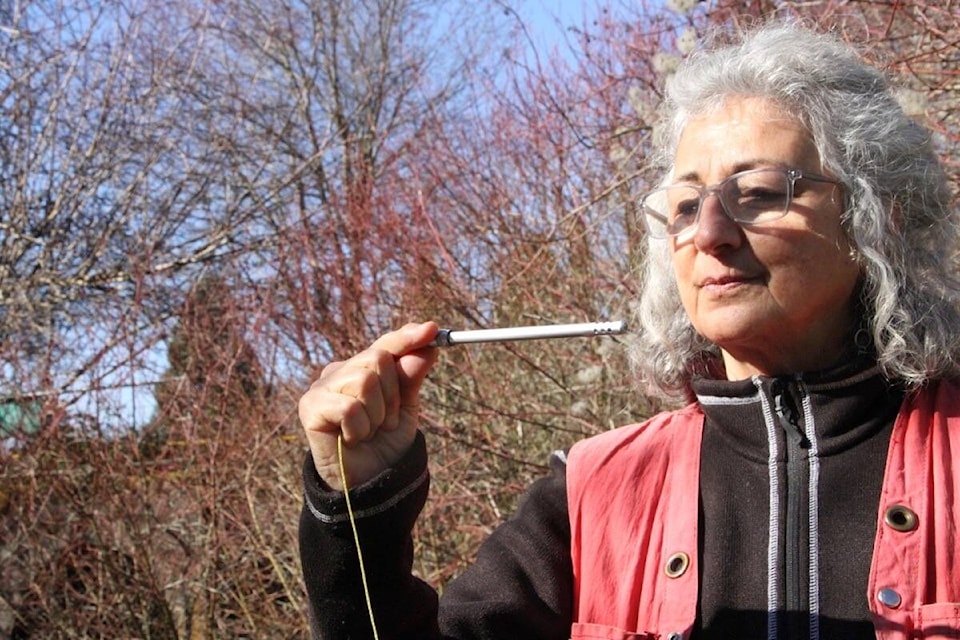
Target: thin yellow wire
point(356, 536)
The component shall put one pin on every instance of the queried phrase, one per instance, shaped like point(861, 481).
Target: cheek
point(682, 260)
point(817, 274)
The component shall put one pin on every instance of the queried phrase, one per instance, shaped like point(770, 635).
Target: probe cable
point(356, 536)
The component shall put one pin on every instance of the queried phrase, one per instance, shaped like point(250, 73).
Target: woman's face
point(776, 298)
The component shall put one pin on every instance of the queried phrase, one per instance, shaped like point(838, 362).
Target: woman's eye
point(686, 208)
point(760, 194)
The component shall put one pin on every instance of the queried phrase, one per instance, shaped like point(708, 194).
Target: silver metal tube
point(448, 337)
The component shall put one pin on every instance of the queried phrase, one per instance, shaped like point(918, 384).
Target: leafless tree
point(332, 168)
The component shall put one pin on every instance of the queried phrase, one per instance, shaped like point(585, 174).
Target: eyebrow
point(745, 165)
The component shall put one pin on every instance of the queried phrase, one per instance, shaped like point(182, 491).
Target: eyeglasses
point(750, 197)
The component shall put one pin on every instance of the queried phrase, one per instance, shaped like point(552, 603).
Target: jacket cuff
point(403, 485)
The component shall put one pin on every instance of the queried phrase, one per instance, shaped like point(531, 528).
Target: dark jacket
point(521, 585)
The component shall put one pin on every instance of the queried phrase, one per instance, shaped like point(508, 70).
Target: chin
point(736, 328)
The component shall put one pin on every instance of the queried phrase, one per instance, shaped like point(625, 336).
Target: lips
point(724, 283)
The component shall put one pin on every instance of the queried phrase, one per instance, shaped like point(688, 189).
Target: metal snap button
point(675, 636)
point(676, 565)
point(889, 598)
point(901, 518)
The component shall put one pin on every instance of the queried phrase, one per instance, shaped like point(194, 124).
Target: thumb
point(414, 358)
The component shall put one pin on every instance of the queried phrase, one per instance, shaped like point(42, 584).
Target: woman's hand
point(373, 399)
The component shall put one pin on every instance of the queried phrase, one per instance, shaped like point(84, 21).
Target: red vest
point(632, 496)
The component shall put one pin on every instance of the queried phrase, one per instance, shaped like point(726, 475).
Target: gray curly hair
point(898, 211)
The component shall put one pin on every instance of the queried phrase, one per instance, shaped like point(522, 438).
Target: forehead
point(743, 133)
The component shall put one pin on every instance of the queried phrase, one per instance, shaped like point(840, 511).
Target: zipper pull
point(788, 413)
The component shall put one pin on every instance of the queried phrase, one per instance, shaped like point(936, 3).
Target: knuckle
point(330, 369)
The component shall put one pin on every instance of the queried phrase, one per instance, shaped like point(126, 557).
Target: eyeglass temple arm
point(653, 214)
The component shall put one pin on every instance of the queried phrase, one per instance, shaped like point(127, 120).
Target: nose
point(715, 229)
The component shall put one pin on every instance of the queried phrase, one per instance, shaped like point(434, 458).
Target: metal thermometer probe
point(450, 337)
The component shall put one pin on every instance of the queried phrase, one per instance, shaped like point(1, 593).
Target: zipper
point(796, 453)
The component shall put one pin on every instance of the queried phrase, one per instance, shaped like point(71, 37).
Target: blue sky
point(547, 21)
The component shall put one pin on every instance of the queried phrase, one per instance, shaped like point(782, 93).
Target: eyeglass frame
point(792, 174)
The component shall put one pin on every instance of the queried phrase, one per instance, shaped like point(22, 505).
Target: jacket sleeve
point(519, 587)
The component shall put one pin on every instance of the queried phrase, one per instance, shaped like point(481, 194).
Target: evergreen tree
point(214, 378)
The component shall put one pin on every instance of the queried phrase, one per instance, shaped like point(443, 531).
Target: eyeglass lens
point(750, 197)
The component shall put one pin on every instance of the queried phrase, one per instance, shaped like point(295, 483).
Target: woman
point(798, 289)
